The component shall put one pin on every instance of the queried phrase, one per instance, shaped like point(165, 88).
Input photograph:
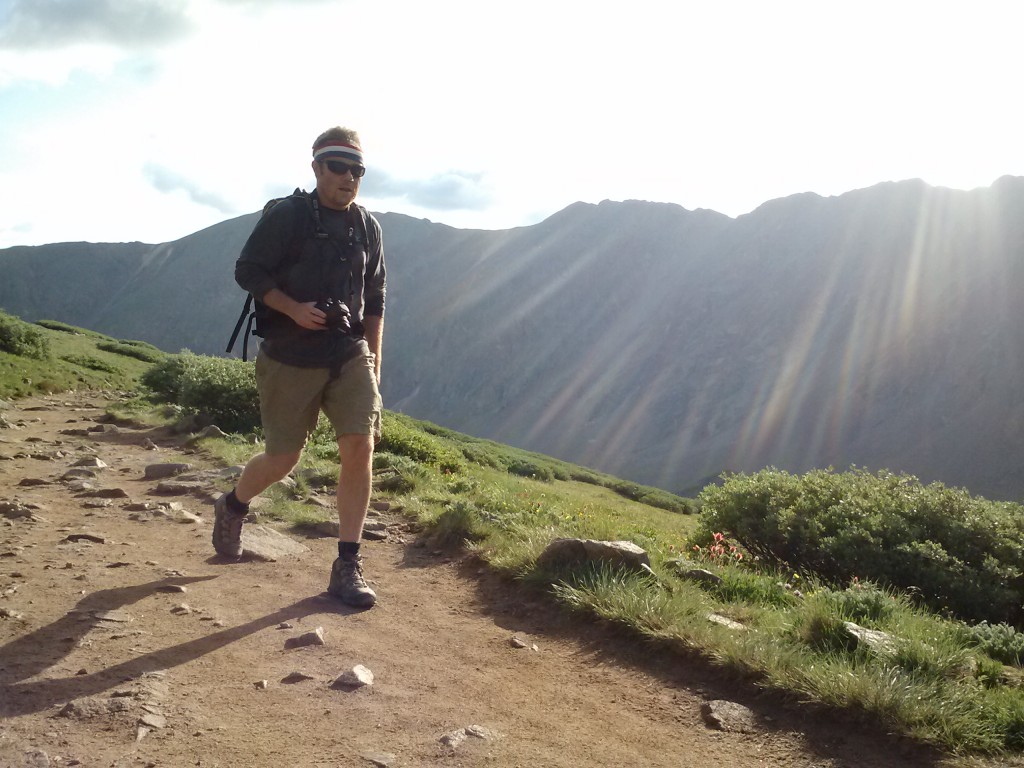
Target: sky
point(148, 120)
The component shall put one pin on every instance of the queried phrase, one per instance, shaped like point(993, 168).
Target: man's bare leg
point(229, 510)
point(355, 478)
point(262, 471)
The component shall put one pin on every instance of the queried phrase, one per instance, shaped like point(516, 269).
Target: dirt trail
point(104, 661)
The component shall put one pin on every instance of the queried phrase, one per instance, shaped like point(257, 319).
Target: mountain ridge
point(880, 327)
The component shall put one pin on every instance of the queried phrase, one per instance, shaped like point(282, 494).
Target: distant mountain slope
point(881, 328)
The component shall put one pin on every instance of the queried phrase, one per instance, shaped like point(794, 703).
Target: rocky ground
point(126, 642)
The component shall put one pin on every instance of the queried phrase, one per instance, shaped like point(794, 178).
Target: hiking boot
point(227, 529)
point(348, 584)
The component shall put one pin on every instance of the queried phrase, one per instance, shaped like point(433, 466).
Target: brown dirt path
point(101, 666)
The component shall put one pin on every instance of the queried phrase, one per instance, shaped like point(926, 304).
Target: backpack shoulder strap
point(364, 220)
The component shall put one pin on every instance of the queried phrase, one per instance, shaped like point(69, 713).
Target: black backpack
point(255, 312)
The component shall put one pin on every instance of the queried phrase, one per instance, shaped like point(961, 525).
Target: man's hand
point(305, 314)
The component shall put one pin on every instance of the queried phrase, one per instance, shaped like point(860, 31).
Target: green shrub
point(865, 603)
point(403, 436)
point(139, 350)
point(739, 584)
point(585, 476)
point(1000, 641)
point(53, 325)
point(957, 553)
point(222, 389)
point(478, 454)
point(19, 338)
point(527, 468)
point(164, 378)
point(460, 522)
point(92, 363)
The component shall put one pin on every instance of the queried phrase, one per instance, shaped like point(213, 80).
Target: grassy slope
point(507, 505)
point(75, 362)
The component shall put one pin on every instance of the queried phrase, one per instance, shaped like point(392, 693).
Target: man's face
point(336, 184)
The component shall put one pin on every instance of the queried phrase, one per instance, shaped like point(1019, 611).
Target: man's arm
point(304, 314)
point(373, 330)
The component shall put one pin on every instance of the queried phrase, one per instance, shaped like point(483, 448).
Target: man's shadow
point(39, 650)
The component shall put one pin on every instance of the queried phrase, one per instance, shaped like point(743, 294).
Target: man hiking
point(316, 267)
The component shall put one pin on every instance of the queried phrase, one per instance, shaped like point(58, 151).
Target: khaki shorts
point(291, 399)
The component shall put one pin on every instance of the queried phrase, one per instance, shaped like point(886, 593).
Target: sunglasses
point(339, 168)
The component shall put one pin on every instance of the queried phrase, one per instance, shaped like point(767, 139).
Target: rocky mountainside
point(881, 328)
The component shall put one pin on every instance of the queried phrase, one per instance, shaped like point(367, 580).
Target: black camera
point(337, 316)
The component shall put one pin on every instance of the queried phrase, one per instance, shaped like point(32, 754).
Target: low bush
point(139, 350)
point(92, 363)
point(958, 554)
point(222, 389)
point(527, 468)
point(1000, 641)
point(54, 325)
point(401, 435)
point(164, 378)
point(19, 338)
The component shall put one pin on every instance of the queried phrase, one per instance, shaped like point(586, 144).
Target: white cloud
point(51, 24)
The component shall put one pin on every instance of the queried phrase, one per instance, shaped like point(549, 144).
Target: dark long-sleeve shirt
point(285, 252)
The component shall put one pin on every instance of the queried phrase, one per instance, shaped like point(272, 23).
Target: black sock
point(235, 505)
point(348, 549)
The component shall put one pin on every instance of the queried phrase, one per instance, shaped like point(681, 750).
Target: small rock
point(296, 677)
point(728, 716)
point(115, 616)
point(178, 488)
point(161, 471)
point(876, 640)
point(268, 545)
point(454, 738)
point(563, 552)
point(261, 685)
point(77, 537)
point(517, 642)
point(36, 758)
point(79, 473)
point(92, 462)
point(182, 609)
point(316, 637)
point(152, 720)
point(379, 759)
point(31, 482)
point(715, 618)
point(106, 493)
point(14, 510)
point(357, 677)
